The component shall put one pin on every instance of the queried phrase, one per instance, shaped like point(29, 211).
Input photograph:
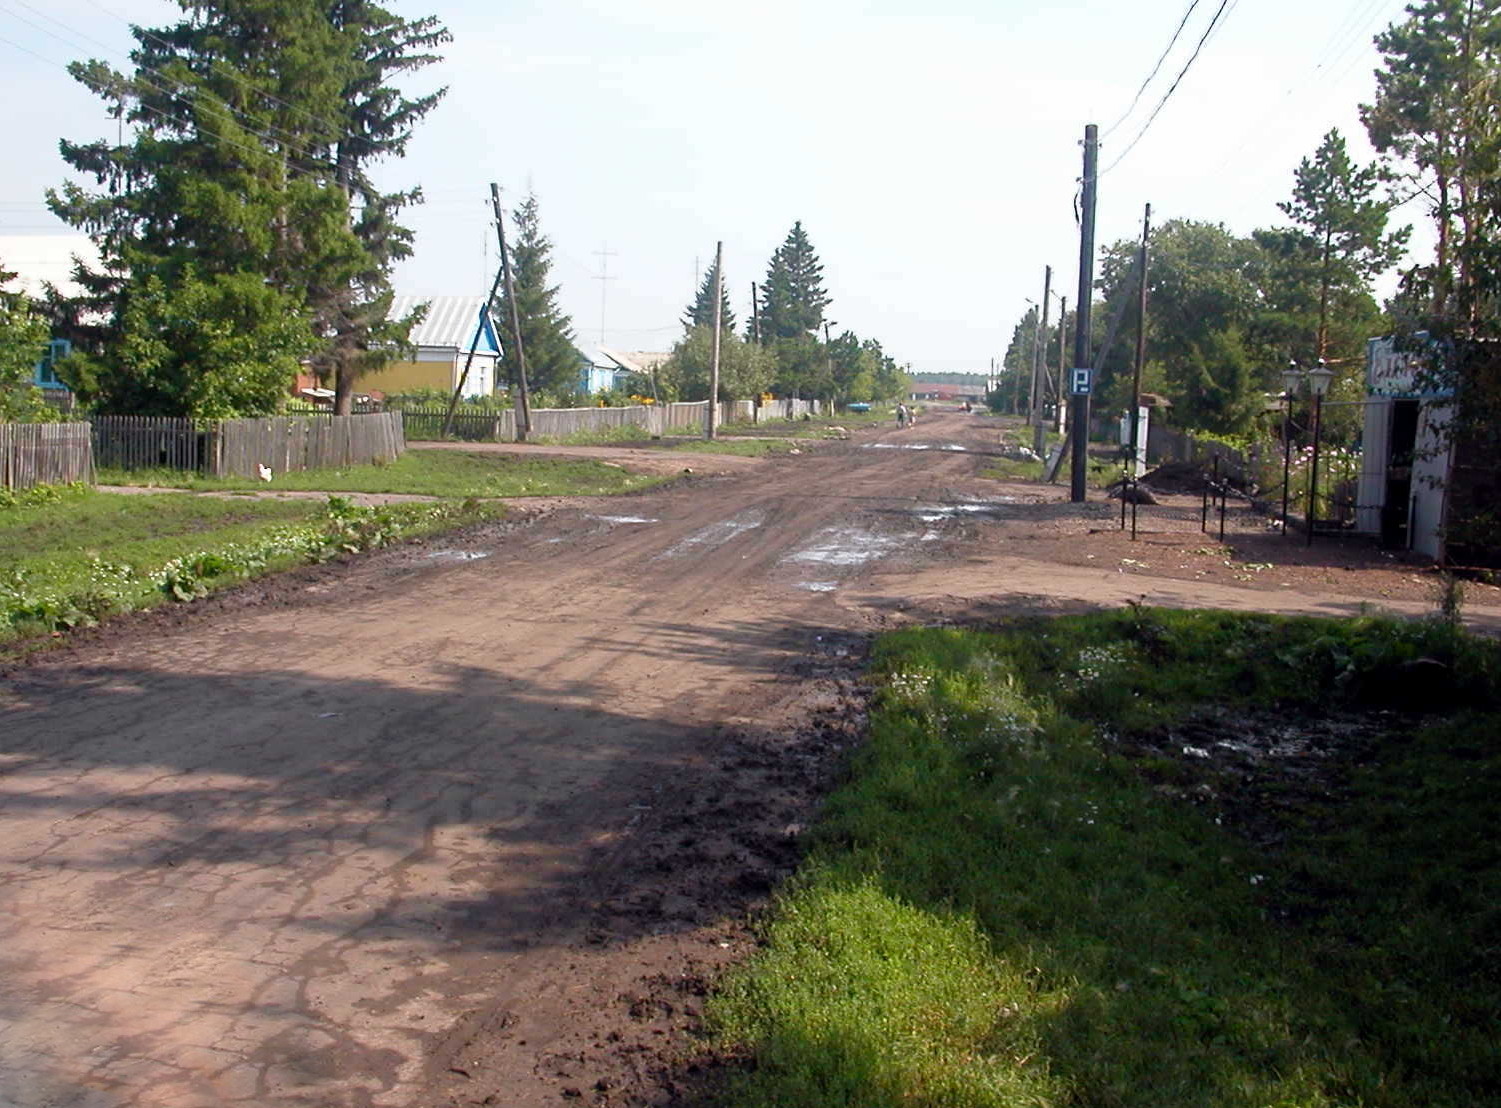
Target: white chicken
point(263, 471)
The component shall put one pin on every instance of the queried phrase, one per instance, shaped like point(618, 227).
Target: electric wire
point(148, 33)
point(1193, 4)
point(296, 143)
point(1204, 38)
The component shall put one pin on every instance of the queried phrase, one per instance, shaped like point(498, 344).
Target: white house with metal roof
point(454, 326)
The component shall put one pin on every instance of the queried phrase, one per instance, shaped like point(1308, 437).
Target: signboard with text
point(1081, 380)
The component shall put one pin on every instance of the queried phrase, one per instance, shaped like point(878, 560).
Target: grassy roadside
point(441, 473)
point(70, 557)
point(1048, 883)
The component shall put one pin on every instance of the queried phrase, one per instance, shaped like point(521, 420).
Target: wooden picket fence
point(240, 447)
point(45, 454)
point(653, 419)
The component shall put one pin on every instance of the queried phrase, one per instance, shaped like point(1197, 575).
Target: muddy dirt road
point(468, 822)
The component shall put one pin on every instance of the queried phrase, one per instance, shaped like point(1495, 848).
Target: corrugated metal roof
point(450, 321)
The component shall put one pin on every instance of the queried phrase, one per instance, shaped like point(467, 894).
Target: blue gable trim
point(484, 339)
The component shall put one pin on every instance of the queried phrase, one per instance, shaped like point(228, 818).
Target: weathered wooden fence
point(650, 419)
point(293, 443)
point(239, 447)
point(45, 454)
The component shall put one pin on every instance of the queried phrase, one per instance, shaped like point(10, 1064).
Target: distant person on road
point(901, 416)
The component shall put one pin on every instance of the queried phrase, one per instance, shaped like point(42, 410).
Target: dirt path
point(470, 824)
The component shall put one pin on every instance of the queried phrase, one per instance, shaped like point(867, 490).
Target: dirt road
point(468, 822)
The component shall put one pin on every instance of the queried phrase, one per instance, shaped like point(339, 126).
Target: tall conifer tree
point(701, 312)
point(552, 360)
point(794, 296)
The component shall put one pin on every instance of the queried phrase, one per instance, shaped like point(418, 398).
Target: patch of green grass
point(443, 473)
point(1005, 908)
point(80, 556)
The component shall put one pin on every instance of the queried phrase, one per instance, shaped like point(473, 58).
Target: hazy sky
point(930, 149)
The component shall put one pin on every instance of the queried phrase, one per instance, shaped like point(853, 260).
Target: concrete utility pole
point(523, 400)
point(1060, 416)
point(1141, 345)
point(1039, 363)
point(1079, 402)
point(713, 413)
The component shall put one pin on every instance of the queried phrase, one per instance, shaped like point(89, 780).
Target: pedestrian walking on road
point(901, 416)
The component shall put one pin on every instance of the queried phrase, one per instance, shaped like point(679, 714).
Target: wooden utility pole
point(1061, 416)
point(755, 315)
point(523, 400)
point(712, 423)
point(1141, 347)
point(1039, 363)
point(479, 330)
point(1079, 401)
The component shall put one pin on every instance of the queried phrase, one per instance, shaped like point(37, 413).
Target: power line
point(289, 139)
point(185, 124)
point(148, 33)
point(1213, 23)
point(1171, 43)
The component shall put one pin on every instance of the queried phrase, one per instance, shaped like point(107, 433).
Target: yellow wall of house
point(406, 376)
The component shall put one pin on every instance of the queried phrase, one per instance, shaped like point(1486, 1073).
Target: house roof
point(36, 259)
point(450, 322)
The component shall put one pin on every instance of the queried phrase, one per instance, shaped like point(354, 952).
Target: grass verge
point(1039, 889)
point(71, 557)
point(442, 473)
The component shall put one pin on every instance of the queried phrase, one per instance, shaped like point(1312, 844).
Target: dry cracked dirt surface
point(479, 820)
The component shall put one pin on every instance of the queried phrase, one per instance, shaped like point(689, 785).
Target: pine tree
point(793, 297)
point(1437, 114)
point(1334, 203)
point(701, 312)
point(552, 361)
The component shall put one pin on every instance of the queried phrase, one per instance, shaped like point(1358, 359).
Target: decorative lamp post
point(1318, 383)
point(1292, 377)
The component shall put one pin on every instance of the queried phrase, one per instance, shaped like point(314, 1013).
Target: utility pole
point(1061, 415)
point(755, 315)
point(713, 413)
point(1141, 347)
point(604, 254)
point(1039, 378)
point(828, 349)
point(1079, 402)
point(523, 401)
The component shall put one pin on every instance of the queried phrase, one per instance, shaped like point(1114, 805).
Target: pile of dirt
point(1188, 477)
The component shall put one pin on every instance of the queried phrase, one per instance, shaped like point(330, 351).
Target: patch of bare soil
point(1267, 776)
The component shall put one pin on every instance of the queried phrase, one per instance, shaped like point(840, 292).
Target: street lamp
point(1318, 383)
point(1292, 377)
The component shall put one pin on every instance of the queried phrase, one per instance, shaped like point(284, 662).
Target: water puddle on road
point(818, 586)
point(937, 513)
point(716, 534)
point(951, 447)
point(458, 555)
point(845, 546)
point(624, 519)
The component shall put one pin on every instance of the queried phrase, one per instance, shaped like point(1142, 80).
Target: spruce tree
point(378, 123)
point(225, 220)
point(701, 312)
point(793, 297)
point(552, 361)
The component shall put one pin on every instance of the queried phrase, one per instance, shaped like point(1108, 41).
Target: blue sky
point(930, 149)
